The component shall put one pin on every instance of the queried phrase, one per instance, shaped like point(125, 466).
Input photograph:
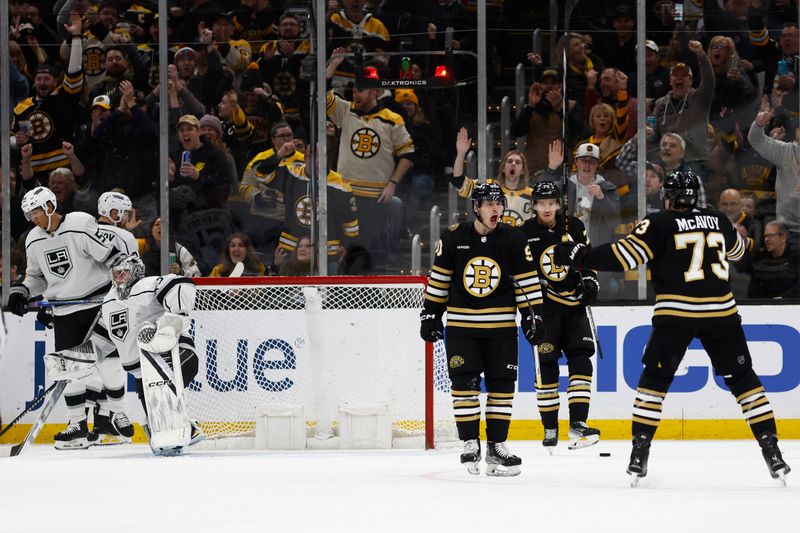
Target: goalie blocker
point(148, 324)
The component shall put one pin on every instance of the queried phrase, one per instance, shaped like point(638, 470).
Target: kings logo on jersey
point(118, 325)
point(58, 262)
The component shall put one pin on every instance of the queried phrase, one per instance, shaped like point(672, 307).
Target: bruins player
point(483, 273)
point(512, 177)
point(687, 250)
point(567, 293)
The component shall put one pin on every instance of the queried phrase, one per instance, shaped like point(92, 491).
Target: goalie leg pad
point(168, 420)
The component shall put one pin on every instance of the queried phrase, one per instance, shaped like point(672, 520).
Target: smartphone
point(733, 63)
point(25, 126)
point(783, 70)
point(186, 157)
point(678, 12)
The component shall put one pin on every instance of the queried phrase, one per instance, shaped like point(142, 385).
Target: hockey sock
point(498, 408)
point(113, 383)
point(547, 393)
point(750, 396)
point(467, 409)
point(75, 399)
point(579, 391)
point(647, 411)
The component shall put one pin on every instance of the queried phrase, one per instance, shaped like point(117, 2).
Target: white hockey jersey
point(71, 264)
point(149, 298)
point(122, 239)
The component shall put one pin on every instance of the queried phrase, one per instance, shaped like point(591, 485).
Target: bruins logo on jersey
point(548, 266)
point(365, 143)
point(284, 84)
point(58, 262)
point(41, 126)
point(481, 276)
point(512, 218)
point(302, 211)
point(94, 61)
point(118, 324)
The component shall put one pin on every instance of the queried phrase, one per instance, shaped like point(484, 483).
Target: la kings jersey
point(471, 278)
point(122, 239)
point(687, 253)
point(71, 264)
point(370, 142)
point(518, 203)
point(149, 298)
point(558, 281)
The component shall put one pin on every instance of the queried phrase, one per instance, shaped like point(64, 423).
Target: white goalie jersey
point(70, 264)
point(149, 299)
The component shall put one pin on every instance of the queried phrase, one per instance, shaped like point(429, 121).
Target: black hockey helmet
point(545, 190)
point(490, 191)
point(681, 188)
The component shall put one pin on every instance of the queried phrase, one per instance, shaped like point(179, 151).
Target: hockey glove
point(570, 253)
point(588, 289)
point(18, 297)
point(45, 317)
point(533, 329)
point(431, 328)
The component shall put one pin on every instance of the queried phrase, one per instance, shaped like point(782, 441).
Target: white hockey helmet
point(125, 272)
point(109, 201)
point(38, 198)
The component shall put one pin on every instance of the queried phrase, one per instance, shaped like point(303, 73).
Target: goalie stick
point(35, 403)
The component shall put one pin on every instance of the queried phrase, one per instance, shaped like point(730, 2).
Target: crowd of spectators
point(721, 100)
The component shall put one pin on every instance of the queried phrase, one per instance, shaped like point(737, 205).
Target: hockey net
point(323, 343)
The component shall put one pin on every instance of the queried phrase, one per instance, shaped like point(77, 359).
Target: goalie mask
point(125, 273)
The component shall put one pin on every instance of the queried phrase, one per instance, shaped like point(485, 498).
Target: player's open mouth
point(494, 219)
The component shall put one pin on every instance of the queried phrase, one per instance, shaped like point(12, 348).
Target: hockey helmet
point(681, 188)
point(125, 273)
point(545, 190)
point(38, 199)
point(488, 191)
point(109, 201)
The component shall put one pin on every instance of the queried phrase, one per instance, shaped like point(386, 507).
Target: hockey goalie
point(148, 322)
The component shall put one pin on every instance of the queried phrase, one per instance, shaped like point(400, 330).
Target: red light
point(370, 73)
point(441, 72)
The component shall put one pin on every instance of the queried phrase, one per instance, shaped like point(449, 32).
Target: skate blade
point(780, 477)
point(550, 449)
point(473, 468)
point(502, 471)
point(79, 444)
point(584, 442)
point(634, 479)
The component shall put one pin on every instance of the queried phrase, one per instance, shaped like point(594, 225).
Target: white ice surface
point(692, 486)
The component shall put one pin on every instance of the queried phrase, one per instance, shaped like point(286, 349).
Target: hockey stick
point(33, 405)
point(237, 271)
point(535, 350)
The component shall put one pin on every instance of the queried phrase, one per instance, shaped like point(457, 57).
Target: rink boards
point(698, 406)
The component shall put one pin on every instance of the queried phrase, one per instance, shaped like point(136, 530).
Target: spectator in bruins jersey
point(687, 250)
point(237, 131)
point(280, 66)
point(375, 153)
point(119, 60)
point(235, 53)
point(290, 181)
point(512, 176)
point(238, 249)
point(591, 198)
point(483, 273)
point(48, 118)
point(567, 294)
point(352, 28)
point(254, 21)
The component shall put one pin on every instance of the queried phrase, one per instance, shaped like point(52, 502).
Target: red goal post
point(323, 344)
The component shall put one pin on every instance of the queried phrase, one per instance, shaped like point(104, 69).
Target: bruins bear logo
point(481, 276)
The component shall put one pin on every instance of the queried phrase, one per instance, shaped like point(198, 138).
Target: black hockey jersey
point(472, 276)
point(558, 281)
point(687, 253)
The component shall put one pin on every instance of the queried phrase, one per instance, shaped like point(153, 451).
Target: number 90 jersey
point(472, 278)
point(687, 253)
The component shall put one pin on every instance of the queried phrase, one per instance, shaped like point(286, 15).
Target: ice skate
point(582, 436)
point(639, 454)
point(500, 462)
point(471, 456)
point(550, 440)
point(121, 424)
point(74, 437)
point(103, 432)
point(772, 455)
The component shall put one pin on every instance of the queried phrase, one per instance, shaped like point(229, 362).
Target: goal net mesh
point(322, 346)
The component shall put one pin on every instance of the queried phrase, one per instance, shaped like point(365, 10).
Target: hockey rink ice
point(692, 486)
